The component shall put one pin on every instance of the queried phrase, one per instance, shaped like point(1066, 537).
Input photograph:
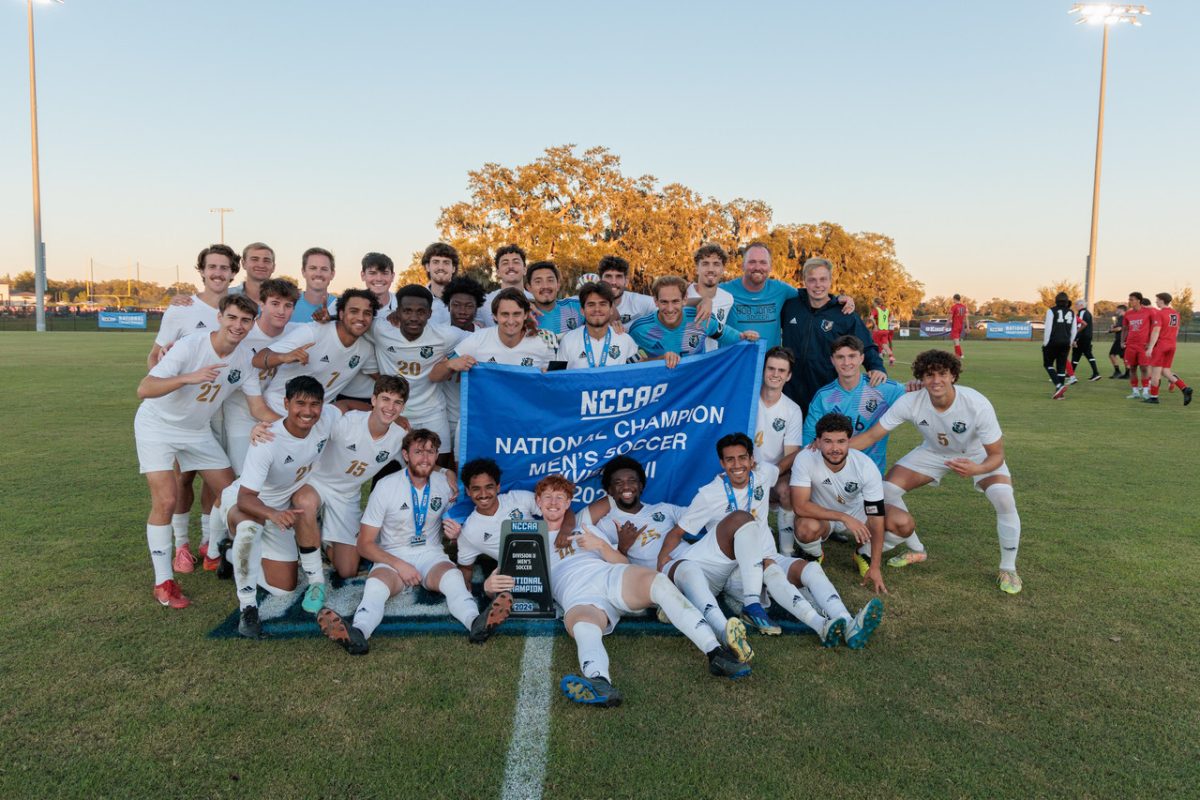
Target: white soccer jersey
point(858, 482)
point(778, 426)
point(961, 430)
point(712, 505)
point(633, 305)
point(329, 361)
point(391, 510)
point(721, 304)
point(622, 349)
point(485, 313)
point(193, 405)
point(353, 456)
point(486, 348)
point(180, 321)
point(480, 535)
point(413, 359)
point(575, 571)
point(361, 385)
point(257, 339)
point(654, 522)
point(279, 468)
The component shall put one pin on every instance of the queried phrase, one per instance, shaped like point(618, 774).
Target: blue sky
point(966, 131)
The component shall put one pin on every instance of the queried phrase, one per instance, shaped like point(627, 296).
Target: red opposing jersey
point(958, 316)
point(1167, 321)
point(1137, 327)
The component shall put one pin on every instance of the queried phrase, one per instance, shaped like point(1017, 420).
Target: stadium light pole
point(1107, 15)
point(39, 247)
point(222, 212)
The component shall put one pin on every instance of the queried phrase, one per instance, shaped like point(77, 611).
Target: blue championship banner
point(572, 422)
point(127, 320)
point(1009, 330)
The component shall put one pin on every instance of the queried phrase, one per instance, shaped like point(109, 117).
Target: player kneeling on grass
point(401, 533)
point(961, 434)
point(273, 511)
point(594, 584)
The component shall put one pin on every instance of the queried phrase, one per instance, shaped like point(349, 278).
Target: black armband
point(874, 508)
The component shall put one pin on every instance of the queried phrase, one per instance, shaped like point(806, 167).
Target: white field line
point(526, 763)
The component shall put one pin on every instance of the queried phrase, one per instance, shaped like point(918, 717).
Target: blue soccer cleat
point(595, 691)
point(858, 632)
point(754, 615)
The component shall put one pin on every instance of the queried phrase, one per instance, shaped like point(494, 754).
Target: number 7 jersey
point(961, 430)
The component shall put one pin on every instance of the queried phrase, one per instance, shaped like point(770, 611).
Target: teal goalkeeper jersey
point(654, 339)
point(566, 315)
point(864, 405)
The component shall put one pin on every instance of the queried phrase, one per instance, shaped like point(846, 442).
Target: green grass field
point(1085, 685)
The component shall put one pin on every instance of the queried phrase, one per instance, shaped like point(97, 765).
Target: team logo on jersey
point(614, 352)
point(435, 503)
point(572, 324)
point(427, 351)
point(321, 445)
point(383, 456)
point(526, 361)
point(778, 424)
point(515, 514)
point(354, 361)
point(959, 427)
point(235, 375)
point(851, 487)
point(827, 325)
point(658, 516)
point(758, 493)
point(693, 340)
point(871, 405)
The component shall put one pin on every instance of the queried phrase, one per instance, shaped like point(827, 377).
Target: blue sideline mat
point(421, 613)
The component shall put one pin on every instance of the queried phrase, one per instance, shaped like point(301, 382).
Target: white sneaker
point(1071, 380)
point(1136, 394)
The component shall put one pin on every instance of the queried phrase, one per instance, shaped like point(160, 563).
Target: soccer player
point(882, 335)
point(464, 296)
point(614, 271)
point(710, 260)
point(361, 443)
point(596, 344)
point(673, 332)
point(317, 269)
point(333, 354)
point(258, 264)
point(1082, 346)
point(377, 274)
point(726, 526)
point(1057, 336)
point(217, 264)
point(479, 534)
point(510, 342)
point(401, 533)
point(510, 271)
point(552, 314)
point(1116, 352)
point(778, 435)
point(959, 319)
point(440, 261)
point(408, 344)
point(594, 584)
point(272, 510)
point(961, 434)
point(1164, 332)
point(1138, 320)
point(179, 397)
point(812, 321)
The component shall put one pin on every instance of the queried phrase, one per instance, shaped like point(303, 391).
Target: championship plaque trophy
point(524, 548)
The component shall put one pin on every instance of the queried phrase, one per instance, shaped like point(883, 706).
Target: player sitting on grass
point(962, 435)
point(726, 524)
point(594, 584)
point(183, 391)
point(401, 533)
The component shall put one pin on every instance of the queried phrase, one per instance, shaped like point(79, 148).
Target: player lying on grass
point(961, 434)
point(594, 584)
point(731, 544)
point(401, 533)
point(183, 391)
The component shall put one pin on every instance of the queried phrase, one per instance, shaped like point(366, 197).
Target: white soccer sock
point(691, 581)
point(216, 532)
point(1008, 523)
point(589, 644)
point(890, 540)
point(205, 526)
point(247, 552)
point(683, 615)
point(826, 597)
point(310, 564)
point(158, 537)
point(812, 548)
point(785, 521)
point(748, 552)
point(369, 613)
point(893, 496)
point(179, 525)
point(460, 602)
point(914, 543)
point(789, 597)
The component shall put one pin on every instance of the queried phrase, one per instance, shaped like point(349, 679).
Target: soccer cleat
point(225, 568)
point(493, 614)
point(1096, 377)
point(1072, 380)
point(662, 616)
point(1187, 396)
point(863, 564)
point(1059, 393)
point(723, 663)
point(1010, 582)
point(1134, 395)
point(905, 559)
point(249, 625)
point(756, 617)
point(314, 598)
point(595, 691)
point(1152, 399)
point(210, 564)
point(336, 630)
point(735, 639)
point(839, 537)
point(858, 632)
point(168, 594)
point(184, 561)
point(832, 632)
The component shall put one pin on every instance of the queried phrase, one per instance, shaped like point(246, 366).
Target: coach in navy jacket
point(811, 322)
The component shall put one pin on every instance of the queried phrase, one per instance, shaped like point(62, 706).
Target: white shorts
point(277, 544)
point(159, 446)
point(339, 516)
point(933, 465)
point(716, 566)
point(604, 594)
point(236, 436)
point(422, 558)
point(439, 425)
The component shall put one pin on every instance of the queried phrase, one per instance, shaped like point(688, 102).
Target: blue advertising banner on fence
point(1009, 330)
point(574, 421)
point(935, 329)
point(128, 320)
